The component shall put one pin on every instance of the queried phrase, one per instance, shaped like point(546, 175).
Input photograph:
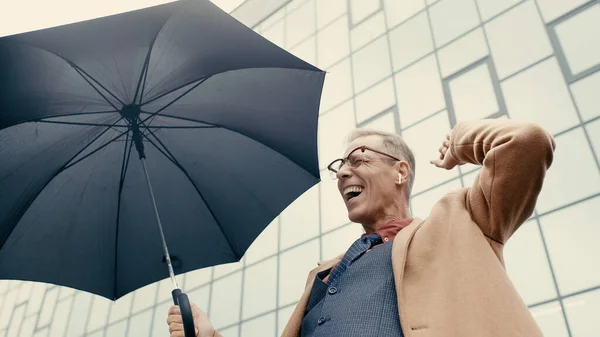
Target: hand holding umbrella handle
point(181, 299)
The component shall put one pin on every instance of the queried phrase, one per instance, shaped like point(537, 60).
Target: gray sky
point(18, 16)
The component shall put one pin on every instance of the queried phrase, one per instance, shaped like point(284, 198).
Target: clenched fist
point(446, 159)
point(204, 327)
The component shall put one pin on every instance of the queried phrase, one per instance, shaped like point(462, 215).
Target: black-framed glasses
point(354, 160)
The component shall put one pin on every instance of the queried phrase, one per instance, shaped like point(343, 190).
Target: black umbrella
point(224, 123)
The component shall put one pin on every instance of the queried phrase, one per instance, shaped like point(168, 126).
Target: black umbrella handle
point(181, 299)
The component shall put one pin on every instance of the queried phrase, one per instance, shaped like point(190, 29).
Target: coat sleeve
point(514, 158)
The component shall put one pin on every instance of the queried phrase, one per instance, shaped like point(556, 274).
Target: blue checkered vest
point(362, 302)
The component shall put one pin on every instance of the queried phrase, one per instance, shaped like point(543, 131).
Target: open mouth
point(352, 192)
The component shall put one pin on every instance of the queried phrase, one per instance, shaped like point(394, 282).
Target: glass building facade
point(414, 67)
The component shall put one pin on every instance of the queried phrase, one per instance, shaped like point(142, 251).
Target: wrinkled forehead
point(372, 141)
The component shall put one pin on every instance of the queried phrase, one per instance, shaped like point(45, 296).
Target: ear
point(403, 172)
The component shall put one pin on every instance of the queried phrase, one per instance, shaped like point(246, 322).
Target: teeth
point(356, 189)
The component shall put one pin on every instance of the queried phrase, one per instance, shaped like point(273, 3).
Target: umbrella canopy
point(227, 119)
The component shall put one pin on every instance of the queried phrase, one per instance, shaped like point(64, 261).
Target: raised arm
point(514, 156)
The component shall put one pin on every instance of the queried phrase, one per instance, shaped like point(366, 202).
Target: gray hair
point(395, 146)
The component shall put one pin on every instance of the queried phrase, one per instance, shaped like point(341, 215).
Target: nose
point(344, 172)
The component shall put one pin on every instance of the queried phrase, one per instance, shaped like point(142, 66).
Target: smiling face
point(370, 190)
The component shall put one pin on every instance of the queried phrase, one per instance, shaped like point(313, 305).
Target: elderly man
point(441, 276)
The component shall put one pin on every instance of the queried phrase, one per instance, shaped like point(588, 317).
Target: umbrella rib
point(125, 157)
point(153, 115)
point(81, 113)
point(98, 91)
point(169, 155)
point(63, 115)
point(144, 73)
point(184, 171)
point(80, 123)
point(75, 114)
point(90, 143)
point(200, 81)
point(151, 119)
point(175, 100)
point(80, 70)
point(96, 150)
point(124, 166)
point(156, 127)
point(172, 160)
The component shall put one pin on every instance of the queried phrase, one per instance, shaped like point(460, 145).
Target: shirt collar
point(389, 230)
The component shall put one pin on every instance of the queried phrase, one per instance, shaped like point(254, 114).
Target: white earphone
point(399, 178)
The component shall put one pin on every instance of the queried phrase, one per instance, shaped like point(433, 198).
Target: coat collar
point(399, 253)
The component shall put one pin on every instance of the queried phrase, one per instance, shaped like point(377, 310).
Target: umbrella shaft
point(162, 235)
